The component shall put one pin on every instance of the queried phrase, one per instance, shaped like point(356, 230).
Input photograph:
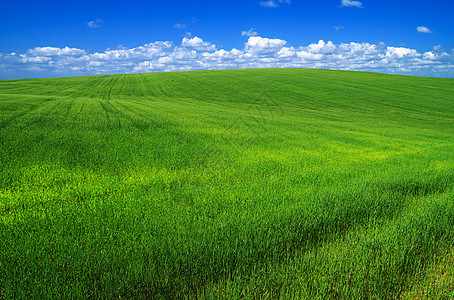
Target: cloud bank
point(196, 54)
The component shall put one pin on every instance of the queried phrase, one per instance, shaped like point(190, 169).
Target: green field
point(236, 184)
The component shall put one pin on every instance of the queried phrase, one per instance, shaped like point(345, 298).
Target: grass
point(251, 184)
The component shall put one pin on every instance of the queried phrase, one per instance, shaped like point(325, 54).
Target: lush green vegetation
point(227, 184)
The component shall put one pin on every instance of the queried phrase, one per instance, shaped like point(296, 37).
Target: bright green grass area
point(238, 184)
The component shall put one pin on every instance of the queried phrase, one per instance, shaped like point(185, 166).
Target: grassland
point(251, 184)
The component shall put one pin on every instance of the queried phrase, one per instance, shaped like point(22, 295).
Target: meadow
point(232, 184)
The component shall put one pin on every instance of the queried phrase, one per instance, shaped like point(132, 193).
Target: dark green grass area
point(238, 184)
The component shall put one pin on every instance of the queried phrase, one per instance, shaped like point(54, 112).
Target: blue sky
point(60, 38)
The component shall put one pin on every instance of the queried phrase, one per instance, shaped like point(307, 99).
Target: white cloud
point(198, 44)
point(34, 59)
point(54, 51)
point(250, 32)
point(401, 52)
point(322, 47)
point(258, 52)
point(260, 46)
point(424, 29)
point(337, 28)
point(179, 26)
point(351, 3)
point(94, 24)
point(273, 3)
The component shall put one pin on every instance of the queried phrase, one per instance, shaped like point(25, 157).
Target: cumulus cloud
point(401, 52)
point(250, 32)
point(258, 52)
point(424, 29)
point(260, 46)
point(198, 44)
point(273, 3)
point(94, 24)
point(351, 3)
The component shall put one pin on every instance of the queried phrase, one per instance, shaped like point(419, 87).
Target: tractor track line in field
point(136, 122)
point(5, 123)
point(80, 111)
point(105, 110)
point(113, 82)
point(68, 108)
point(105, 96)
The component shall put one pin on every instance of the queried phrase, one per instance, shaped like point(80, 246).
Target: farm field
point(232, 184)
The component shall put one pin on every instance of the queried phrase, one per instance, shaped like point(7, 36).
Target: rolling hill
point(251, 184)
